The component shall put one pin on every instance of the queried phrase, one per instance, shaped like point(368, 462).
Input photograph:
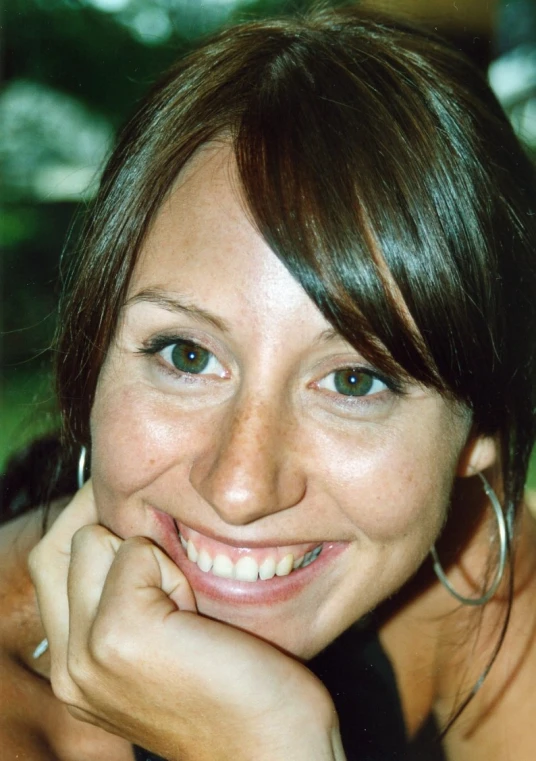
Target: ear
point(479, 453)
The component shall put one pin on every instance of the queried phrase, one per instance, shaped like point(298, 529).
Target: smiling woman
point(281, 437)
point(298, 332)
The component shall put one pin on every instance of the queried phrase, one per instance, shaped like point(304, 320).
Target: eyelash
point(157, 344)
point(355, 370)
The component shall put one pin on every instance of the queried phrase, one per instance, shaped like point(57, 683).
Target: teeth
point(204, 561)
point(267, 569)
point(246, 568)
point(284, 567)
point(222, 566)
point(191, 551)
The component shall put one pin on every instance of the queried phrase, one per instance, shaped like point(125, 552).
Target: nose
point(249, 468)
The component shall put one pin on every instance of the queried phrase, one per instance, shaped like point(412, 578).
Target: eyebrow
point(330, 334)
point(177, 303)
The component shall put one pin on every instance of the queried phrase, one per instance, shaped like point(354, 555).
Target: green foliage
point(27, 408)
point(531, 480)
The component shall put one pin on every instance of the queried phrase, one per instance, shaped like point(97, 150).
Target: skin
point(440, 649)
point(265, 454)
point(261, 451)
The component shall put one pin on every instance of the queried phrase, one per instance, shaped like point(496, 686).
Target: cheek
point(136, 438)
point(392, 485)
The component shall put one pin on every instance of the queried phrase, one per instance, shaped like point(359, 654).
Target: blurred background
point(72, 72)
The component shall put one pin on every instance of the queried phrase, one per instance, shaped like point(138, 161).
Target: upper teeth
point(247, 568)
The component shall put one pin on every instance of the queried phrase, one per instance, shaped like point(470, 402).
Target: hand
point(130, 655)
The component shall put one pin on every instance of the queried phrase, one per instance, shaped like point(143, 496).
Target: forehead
point(204, 246)
point(202, 214)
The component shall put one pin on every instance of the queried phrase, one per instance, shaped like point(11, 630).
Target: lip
point(235, 551)
point(268, 592)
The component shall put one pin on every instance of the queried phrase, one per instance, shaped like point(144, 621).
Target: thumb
point(142, 567)
point(173, 582)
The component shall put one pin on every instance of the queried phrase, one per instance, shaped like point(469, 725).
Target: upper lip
point(264, 544)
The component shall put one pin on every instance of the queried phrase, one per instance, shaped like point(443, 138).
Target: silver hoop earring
point(80, 480)
point(503, 547)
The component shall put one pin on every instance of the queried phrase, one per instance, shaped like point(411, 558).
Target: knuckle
point(81, 715)
point(89, 536)
point(36, 560)
point(77, 671)
point(63, 687)
point(112, 648)
point(133, 551)
point(136, 544)
point(82, 536)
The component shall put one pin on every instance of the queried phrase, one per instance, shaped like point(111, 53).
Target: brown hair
point(371, 154)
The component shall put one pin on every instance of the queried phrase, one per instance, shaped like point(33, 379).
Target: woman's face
point(229, 410)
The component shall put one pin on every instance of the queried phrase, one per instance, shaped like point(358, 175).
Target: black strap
point(362, 684)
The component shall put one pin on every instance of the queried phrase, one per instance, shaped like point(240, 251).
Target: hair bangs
point(349, 206)
point(379, 168)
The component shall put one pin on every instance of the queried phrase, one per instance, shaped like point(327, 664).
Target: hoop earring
point(503, 547)
point(80, 478)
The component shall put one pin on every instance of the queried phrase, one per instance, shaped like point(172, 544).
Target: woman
point(298, 346)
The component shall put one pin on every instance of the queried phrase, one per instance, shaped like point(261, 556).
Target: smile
point(244, 564)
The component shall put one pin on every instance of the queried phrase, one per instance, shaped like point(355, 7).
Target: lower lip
point(277, 589)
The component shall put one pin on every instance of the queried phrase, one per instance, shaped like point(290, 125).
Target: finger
point(143, 585)
point(92, 554)
point(49, 566)
point(141, 566)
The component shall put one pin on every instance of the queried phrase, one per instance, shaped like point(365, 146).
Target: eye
point(353, 381)
point(190, 358)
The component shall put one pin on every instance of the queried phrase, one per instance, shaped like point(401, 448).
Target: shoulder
point(33, 723)
point(19, 617)
point(23, 695)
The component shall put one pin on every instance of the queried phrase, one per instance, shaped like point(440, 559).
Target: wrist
point(310, 732)
point(337, 751)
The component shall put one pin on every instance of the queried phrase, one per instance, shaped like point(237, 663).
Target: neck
point(506, 696)
point(440, 649)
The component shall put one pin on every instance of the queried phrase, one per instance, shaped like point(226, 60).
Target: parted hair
point(379, 168)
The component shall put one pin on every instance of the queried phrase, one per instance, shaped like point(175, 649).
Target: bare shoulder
point(19, 619)
point(34, 725)
point(23, 693)
point(22, 698)
point(17, 538)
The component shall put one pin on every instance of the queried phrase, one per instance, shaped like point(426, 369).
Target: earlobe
point(479, 453)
